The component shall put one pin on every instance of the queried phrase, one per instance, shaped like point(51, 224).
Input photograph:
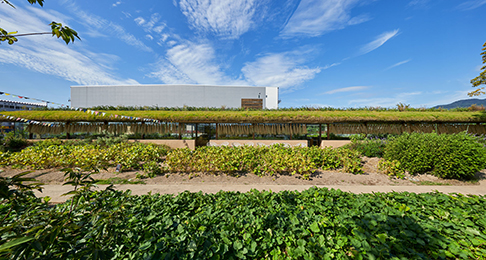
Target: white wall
point(271, 100)
point(170, 95)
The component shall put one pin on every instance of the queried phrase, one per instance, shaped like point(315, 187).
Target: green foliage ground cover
point(313, 224)
point(263, 160)
point(217, 160)
point(54, 153)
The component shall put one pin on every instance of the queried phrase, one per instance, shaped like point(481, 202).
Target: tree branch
point(27, 34)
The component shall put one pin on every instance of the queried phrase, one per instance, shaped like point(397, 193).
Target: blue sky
point(339, 53)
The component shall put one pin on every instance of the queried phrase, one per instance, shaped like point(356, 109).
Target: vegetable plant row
point(228, 160)
point(456, 156)
point(45, 155)
point(313, 224)
point(263, 160)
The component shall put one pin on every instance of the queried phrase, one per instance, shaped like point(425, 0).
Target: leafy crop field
point(313, 224)
point(156, 159)
point(49, 154)
point(454, 156)
point(263, 160)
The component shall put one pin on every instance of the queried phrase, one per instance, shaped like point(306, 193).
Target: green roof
point(258, 116)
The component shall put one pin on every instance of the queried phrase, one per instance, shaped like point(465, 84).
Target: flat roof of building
point(23, 103)
point(182, 85)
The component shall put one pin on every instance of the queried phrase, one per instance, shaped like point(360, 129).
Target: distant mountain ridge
point(464, 103)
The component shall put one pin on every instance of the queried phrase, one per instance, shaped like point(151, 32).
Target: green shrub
point(460, 156)
point(457, 156)
point(414, 151)
point(369, 147)
point(14, 142)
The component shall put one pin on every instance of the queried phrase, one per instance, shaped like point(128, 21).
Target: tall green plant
point(458, 156)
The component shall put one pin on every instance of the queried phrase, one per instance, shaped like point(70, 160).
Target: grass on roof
point(259, 116)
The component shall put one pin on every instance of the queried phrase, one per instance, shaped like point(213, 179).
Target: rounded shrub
point(457, 156)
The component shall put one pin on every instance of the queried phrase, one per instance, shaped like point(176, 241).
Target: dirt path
point(55, 191)
point(173, 183)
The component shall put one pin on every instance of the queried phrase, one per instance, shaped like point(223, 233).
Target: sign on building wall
point(254, 103)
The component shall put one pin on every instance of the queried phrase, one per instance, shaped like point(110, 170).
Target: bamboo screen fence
point(118, 128)
point(406, 128)
point(259, 129)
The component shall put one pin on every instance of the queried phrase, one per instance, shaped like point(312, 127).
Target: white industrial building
point(9, 105)
point(175, 96)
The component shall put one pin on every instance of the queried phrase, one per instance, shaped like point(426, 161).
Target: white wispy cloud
point(379, 41)
point(398, 64)
point(190, 62)
point(347, 89)
point(197, 63)
point(225, 18)
point(52, 56)
point(102, 27)
point(316, 17)
point(139, 20)
point(469, 5)
point(284, 70)
point(153, 26)
point(116, 3)
point(386, 101)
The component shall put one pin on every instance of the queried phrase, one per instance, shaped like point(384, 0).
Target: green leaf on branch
point(64, 32)
point(40, 2)
point(7, 36)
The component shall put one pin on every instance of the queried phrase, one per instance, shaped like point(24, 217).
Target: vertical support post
point(196, 130)
point(209, 131)
point(328, 131)
point(216, 131)
point(143, 135)
point(253, 132)
point(366, 127)
point(319, 138)
point(290, 127)
point(105, 123)
point(180, 131)
point(68, 136)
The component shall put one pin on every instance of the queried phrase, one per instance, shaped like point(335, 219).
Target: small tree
point(481, 79)
point(64, 32)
